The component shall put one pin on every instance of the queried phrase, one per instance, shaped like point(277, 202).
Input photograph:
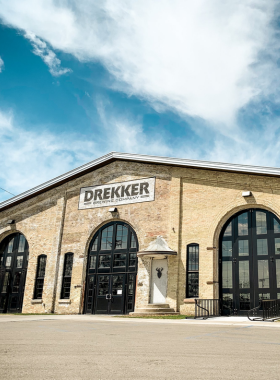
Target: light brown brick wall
point(191, 206)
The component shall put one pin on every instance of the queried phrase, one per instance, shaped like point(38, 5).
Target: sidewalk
point(225, 321)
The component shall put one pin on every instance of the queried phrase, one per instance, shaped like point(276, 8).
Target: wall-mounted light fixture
point(246, 193)
point(11, 221)
point(113, 209)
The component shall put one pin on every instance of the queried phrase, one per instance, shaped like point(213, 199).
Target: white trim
point(261, 170)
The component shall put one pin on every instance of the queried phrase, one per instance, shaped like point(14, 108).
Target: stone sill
point(64, 302)
point(190, 300)
point(37, 301)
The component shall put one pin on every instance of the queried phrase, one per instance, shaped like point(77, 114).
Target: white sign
point(114, 194)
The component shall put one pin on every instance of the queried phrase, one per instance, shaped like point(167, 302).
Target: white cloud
point(1, 64)
point(30, 158)
point(48, 56)
point(200, 58)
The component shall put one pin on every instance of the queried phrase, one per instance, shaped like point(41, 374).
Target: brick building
point(139, 233)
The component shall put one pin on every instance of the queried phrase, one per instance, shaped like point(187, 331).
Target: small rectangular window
point(192, 271)
point(67, 275)
point(39, 283)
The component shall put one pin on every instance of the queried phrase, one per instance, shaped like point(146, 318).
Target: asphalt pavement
point(92, 347)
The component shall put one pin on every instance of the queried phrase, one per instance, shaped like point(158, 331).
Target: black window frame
point(40, 279)
point(190, 272)
point(66, 279)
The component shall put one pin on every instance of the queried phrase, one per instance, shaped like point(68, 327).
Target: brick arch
point(224, 216)
point(11, 232)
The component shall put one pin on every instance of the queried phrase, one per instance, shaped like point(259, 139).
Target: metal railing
point(268, 310)
point(206, 308)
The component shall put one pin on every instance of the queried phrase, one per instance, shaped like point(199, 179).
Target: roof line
point(112, 156)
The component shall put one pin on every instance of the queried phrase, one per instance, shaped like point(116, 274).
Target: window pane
point(16, 282)
point(39, 288)
point(21, 244)
point(6, 282)
point(277, 246)
point(106, 239)
point(193, 257)
point(8, 261)
point(117, 285)
point(19, 261)
point(228, 231)
point(133, 241)
point(264, 296)
point(244, 301)
point(132, 259)
point(277, 273)
point(263, 275)
point(243, 248)
point(262, 246)
point(261, 222)
point(130, 284)
point(227, 301)
point(227, 248)
point(92, 262)
point(66, 289)
point(103, 287)
point(227, 274)
point(68, 265)
point(90, 292)
point(11, 245)
point(243, 224)
point(120, 260)
point(42, 266)
point(276, 226)
point(244, 274)
point(121, 238)
point(192, 285)
point(94, 244)
point(104, 261)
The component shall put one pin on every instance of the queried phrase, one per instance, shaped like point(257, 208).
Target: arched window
point(192, 289)
point(249, 269)
point(40, 276)
point(67, 275)
point(13, 267)
point(112, 270)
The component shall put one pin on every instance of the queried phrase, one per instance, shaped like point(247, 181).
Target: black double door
point(249, 261)
point(111, 270)
point(13, 268)
point(110, 293)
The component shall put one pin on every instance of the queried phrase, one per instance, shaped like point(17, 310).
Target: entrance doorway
point(112, 270)
point(159, 281)
point(13, 268)
point(249, 260)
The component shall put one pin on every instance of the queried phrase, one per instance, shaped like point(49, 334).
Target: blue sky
point(198, 80)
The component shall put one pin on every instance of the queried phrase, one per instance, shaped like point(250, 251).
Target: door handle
point(108, 296)
point(271, 259)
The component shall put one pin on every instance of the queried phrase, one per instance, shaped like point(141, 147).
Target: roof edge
point(112, 156)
